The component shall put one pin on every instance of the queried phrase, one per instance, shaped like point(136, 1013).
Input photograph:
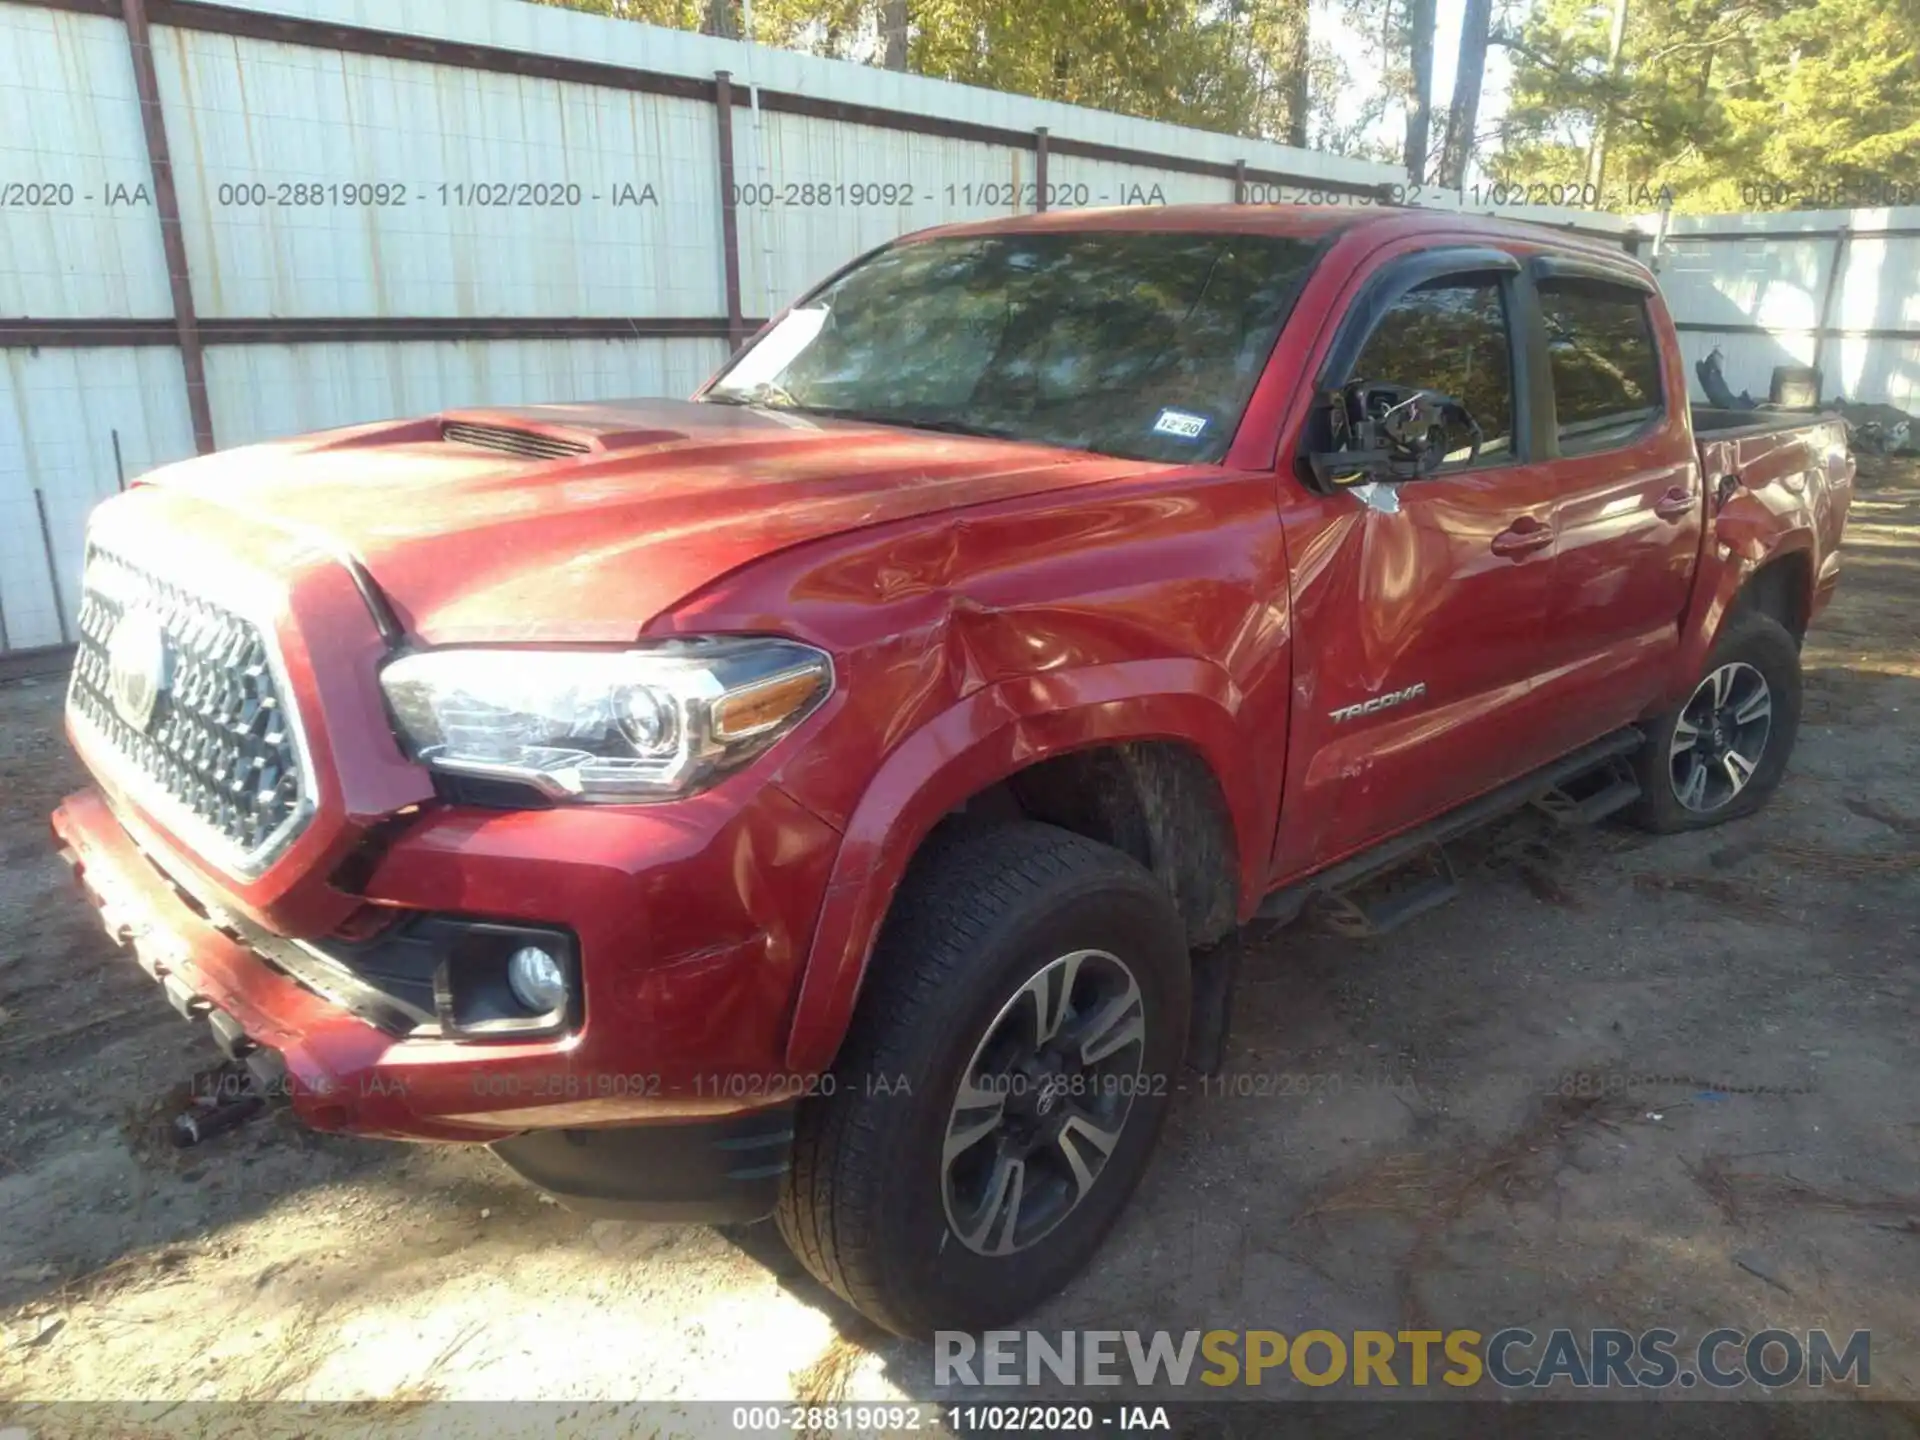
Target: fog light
point(536, 979)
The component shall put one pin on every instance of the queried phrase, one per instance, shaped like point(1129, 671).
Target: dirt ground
point(1449, 1126)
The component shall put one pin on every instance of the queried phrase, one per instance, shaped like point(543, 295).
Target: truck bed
point(1731, 424)
point(1762, 446)
point(1765, 466)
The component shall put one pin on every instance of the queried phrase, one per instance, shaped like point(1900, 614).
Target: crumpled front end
point(289, 876)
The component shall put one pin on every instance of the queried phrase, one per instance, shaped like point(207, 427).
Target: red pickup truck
point(830, 795)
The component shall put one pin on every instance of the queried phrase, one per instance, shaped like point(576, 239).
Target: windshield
point(1144, 345)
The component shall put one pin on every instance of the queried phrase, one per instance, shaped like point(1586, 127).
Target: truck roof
point(1307, 222)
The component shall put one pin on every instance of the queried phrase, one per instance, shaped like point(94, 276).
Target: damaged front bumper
point(636, 1109)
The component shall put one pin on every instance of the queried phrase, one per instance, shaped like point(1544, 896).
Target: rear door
point(1419, 607)
point(1628, 505)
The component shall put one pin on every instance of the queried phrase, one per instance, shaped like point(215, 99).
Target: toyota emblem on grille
point(139, 662)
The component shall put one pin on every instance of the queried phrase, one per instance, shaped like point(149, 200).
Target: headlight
point(604, 725)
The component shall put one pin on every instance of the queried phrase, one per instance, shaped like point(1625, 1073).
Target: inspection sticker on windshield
point(1182, 423)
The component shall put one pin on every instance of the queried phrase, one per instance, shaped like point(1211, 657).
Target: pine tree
point(1728, 104)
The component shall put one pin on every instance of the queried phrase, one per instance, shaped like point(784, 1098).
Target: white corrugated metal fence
point(1836, 289)
point(387, 209)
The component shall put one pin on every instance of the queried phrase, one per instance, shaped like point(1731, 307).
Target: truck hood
point(645, 503)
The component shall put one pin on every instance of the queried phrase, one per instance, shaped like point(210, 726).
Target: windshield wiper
point(766, 394)
point(944, 424)
point(769, 396)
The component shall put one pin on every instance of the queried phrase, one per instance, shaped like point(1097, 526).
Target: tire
point(872, 1206)
point(1688, 786)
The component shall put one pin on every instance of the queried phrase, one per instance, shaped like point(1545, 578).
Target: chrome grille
point(219, 758)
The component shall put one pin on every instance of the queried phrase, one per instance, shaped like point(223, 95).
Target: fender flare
point(1736, 548)
point(986, 737)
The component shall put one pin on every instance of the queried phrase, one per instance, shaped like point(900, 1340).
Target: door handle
point(1522, 537)
point(1676, 504)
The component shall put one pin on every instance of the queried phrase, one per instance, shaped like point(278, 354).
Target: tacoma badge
point(1379, 702)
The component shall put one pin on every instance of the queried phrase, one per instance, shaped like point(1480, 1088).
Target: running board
point(1346, 912)
point(1288, 901)
point(1588, 799)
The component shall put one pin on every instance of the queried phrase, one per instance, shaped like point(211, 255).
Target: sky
point(1327, 21)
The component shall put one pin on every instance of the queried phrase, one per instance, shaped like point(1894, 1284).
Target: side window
point(1450, 335)
point(1606, 367)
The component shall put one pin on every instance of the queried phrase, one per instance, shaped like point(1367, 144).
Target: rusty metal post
point(729, 198)
point(53, 565)
point(1841, 238)
point(166, 202)
point(1040, 169)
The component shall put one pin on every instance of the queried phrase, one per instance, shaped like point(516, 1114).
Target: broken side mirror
point(1386, 434)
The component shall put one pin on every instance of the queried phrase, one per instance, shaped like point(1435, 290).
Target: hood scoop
point(533, 444)
point(556, 432)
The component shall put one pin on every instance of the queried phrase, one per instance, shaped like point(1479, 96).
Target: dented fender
point(1733, 554)
point(987, 737)
point(1153, 608)
point(1780, 494)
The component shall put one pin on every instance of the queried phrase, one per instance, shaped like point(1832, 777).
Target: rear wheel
point(1720, 753)
point(999, 1095)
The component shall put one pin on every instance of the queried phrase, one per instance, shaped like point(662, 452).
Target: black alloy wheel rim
point(1043, 1102)
point(1721, 737)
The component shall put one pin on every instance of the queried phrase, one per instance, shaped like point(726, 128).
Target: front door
point(1418, 621)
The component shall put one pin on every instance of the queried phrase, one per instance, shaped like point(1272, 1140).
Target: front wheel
point(1720, 753)
point(999, 1095)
